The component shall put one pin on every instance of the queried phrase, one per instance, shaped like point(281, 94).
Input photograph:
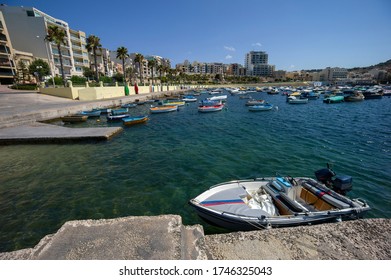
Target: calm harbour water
point(155, 168)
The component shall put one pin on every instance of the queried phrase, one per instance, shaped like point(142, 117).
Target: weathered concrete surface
point(165, 238)
point(367, 239)
point(46, 133)
point(130, 238)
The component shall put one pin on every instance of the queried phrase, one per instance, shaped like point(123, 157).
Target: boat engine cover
point(343, 183)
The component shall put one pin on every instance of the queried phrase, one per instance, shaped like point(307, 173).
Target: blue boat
point(262, 107)
point(93, 113)
point(118, 111)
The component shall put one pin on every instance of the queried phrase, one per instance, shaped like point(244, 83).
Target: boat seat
point(332, 201)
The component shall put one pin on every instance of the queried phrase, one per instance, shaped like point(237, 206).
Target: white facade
point(28, 27)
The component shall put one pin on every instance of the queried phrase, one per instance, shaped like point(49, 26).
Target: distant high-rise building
point(256, 64)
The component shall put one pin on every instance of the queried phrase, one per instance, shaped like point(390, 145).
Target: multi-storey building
point(79, 51)
point(256, 64)
point(27, 28)
point(7, 64)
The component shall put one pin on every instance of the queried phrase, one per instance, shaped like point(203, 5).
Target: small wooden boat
point(262, 107)
point(354, 97)
point(129, 105)
point(74, 118)
point(210, 108)
point(119, 111)
point(279, 202)
point(92, 113)
point(163, 109)
point(134, 120)
point(334, 99)
point(218, 97)
point(189, 98)
point(116, 117)
point(172, 102)
point(255, 102)
point(294, 100)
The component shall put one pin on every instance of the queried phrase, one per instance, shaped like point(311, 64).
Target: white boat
point(294, 100)
point(210, 108)
point(218, 97)
point(163, 109)
point(189, 98)
point(279, 202)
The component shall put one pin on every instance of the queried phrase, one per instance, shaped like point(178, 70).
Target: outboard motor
point(340, 184)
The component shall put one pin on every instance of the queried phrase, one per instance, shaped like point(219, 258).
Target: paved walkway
point(20, 112)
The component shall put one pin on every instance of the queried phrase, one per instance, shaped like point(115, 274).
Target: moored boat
point(74, 118)
point(334, 99)
point(355, 96)
point(294, 100)
point(134, 120)
point(189, 98)
point(255, 102)
point(261, 107)
point(210, 108)
point(92, 113)
point(116, 117)
point(163, 109)
point(279, 202)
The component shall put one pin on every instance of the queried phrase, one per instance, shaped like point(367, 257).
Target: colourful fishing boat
point(163, 109)
point(134, 120)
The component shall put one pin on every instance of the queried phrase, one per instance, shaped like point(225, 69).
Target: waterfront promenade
point(20, 112)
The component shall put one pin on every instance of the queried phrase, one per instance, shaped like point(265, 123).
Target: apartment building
point(256, 64)
point(27, 28)
point(7, 64)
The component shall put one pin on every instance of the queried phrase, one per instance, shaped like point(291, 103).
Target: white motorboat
point(279, 202)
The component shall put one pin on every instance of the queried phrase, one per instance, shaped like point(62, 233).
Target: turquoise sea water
point(155, 168)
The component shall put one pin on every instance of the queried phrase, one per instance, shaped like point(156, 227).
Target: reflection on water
point(155, 168)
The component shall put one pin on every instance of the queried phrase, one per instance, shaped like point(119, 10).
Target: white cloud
point(292, 66)
point(228, 57)
point(257, 45)
point(232, 49)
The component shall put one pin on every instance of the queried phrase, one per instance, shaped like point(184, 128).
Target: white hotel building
point(27, 29)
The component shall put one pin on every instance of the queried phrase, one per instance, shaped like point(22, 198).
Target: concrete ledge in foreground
point(367, 239)
point(46, 133)
point(165, 238)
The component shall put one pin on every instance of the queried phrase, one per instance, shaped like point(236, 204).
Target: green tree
point(39, 68)
point(93, 44)
point(122, 53)
point(22, 72)
point(57, 36)
point(88, 73)
point(139, 59)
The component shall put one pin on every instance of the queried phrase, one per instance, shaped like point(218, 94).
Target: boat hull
point(134, 120)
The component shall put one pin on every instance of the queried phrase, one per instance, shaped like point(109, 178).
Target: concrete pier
point(166, 238)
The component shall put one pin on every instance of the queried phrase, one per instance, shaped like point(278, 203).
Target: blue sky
point(300, 34)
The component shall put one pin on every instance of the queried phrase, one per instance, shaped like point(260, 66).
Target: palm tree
point(93, 43)
point(122, 53)
point(57, 35)
point(151, 64)
point(139, 59)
